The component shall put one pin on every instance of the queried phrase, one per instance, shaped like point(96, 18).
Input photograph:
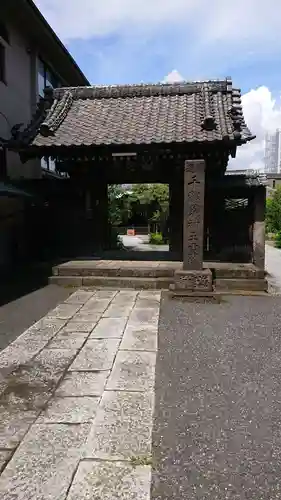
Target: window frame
point(50, 78)
point(45, 72)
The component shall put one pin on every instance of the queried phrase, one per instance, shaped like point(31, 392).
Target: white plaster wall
point(18, 98)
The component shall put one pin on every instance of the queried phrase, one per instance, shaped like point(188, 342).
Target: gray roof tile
point(141, 114)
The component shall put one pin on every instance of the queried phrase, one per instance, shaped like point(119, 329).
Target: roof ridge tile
point(184, 112)
point(142, 89)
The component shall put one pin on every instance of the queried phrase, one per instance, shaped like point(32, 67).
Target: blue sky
point(128, 41)
point(108, 60)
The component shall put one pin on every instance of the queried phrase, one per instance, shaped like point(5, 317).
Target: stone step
point(132, 282)
point(236, 271)
point(112, 272)
point(246, 284)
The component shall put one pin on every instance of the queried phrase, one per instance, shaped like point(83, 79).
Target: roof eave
point(27, 152)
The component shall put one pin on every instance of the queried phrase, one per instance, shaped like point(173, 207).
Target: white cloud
point(205, 37)
point(262, 114)
point(217, 22)
point(173, 77)
point(86, 18)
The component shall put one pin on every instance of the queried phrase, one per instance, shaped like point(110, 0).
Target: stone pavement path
point(77, 399)
point(141, 243)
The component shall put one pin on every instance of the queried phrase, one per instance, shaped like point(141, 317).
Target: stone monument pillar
point(193, 279)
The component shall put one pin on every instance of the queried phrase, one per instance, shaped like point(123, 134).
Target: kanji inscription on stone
point(193, 226)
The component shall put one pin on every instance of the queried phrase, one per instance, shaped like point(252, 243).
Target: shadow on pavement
point(22, 281)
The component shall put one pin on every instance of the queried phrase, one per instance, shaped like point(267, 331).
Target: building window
point(46, 78)
point(48, 164)
point(41, 79)
point(2, 63)
point(51, 166)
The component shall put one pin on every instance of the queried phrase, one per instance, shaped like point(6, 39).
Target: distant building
point(273, 181)
point(272, 153)
point(31, 58)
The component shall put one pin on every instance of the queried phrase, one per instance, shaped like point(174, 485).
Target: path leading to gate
point(141, 243)
point(77, 399)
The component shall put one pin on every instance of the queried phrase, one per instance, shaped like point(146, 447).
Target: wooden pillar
point(176, 215)
point(88, 204)
point(103, 214)
point(259, 227)
point(193, 223)
point(100, 213)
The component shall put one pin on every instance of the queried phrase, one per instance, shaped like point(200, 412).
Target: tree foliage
point(273, 212)
point(142, 204)
point(115, 192)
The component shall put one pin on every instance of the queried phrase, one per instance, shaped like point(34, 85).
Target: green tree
point(147, 202)
point(152, 200)
point(273, 212)
point(114, 210)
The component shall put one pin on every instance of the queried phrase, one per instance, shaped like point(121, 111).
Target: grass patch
point(141, 460)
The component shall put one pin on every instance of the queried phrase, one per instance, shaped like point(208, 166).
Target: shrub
point(273, 212)
point(277, 240)
point(156, 239)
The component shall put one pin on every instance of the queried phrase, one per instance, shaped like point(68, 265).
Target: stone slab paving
point(140, 338)
point(96, 355)
point(97, 480)
point(5, 456)
point(132, 371)
point(122, 428)
point(77, 400)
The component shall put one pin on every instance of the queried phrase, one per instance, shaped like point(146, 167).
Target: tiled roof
point(141, 114)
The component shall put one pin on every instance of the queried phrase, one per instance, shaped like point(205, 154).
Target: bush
point(273, 212)
point(156, 239)
point(277, 240)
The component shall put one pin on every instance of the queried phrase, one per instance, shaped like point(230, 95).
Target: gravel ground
point(18, 314)
point(217, 430)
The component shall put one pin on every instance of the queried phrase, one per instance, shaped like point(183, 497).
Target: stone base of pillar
point(193, 283)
